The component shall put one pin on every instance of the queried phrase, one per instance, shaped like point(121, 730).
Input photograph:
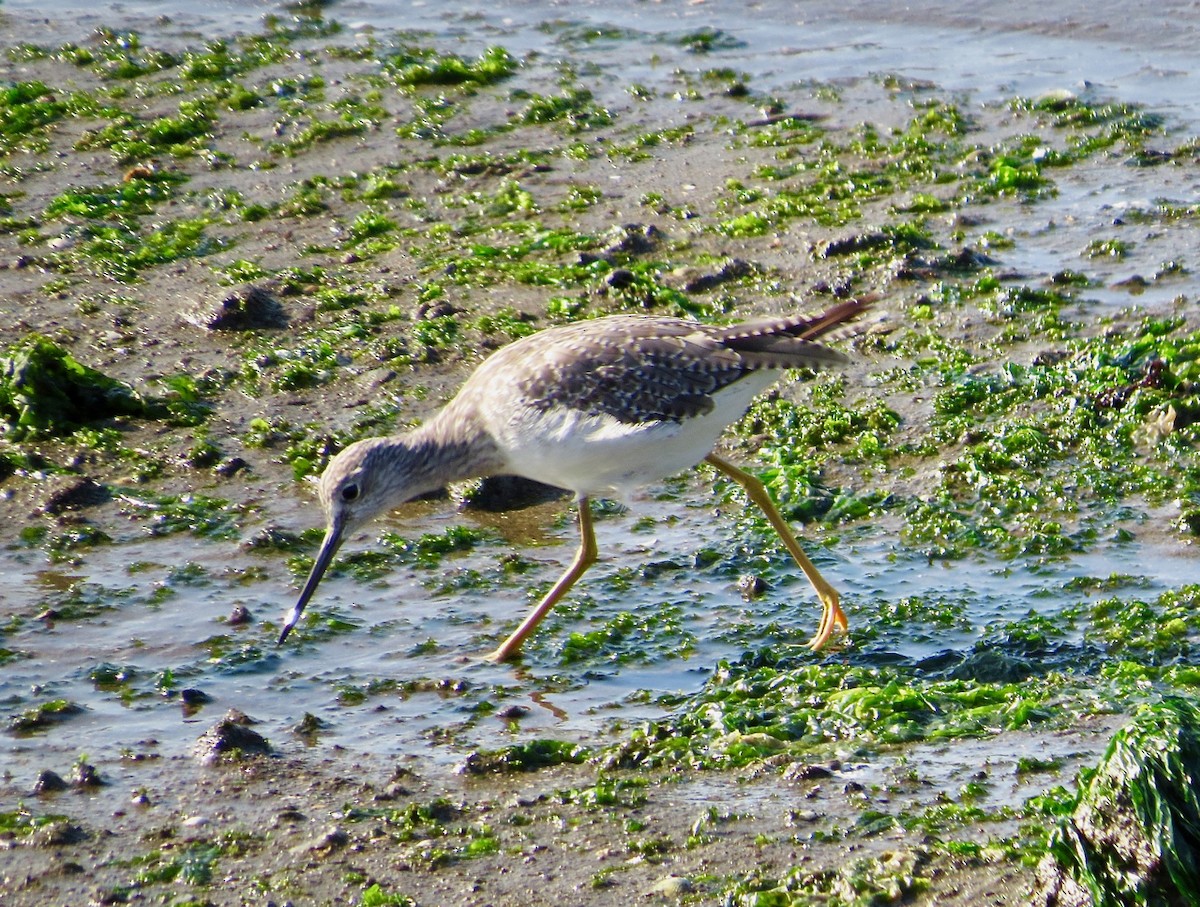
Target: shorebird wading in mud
point(597, 407)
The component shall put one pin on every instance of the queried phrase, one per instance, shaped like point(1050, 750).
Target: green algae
point(525, 757)
point(43, 716)
point(1133, 834)
point(427, 553)
point(28, 109)
point(430, 833)
point(119, 251)
point(415, 67)
point(630, 638)
point(1045, 457)
point(893, 877)
point(705, 40)
point(377, 896)
point(46, 391)
point(574, 108)
point(131, 139)
point(199, 514)
point(130, 199)
point(191, 863)
point(749, 711)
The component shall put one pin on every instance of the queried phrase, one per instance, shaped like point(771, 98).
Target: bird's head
point(364, 480)
point(351, 491)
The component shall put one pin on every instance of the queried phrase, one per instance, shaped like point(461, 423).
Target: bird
point(598, 407)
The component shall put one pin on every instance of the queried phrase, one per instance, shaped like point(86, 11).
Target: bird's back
point(605, 405)
point(643, 368)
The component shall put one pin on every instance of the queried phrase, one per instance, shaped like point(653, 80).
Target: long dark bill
point(329, 547)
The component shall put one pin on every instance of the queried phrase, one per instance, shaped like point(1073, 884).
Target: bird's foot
point(833, 620)
point(500, 655)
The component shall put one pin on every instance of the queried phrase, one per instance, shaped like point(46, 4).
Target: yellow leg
point(832, 616)
point(584, 558)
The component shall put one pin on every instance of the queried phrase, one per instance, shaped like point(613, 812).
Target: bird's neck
point(450, 448)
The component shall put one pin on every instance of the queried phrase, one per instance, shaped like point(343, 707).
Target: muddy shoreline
point(309, 233)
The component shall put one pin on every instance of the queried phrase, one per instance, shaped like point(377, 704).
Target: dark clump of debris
point(69, 493)
point(522, 757)
point(230, 740)
point(1134, 836)
point(625, 242)
point(248, 308)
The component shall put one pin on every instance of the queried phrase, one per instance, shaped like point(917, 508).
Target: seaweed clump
point(1134, 835)
point(45, 391)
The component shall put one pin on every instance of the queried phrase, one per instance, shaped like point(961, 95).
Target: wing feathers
point(639, 368)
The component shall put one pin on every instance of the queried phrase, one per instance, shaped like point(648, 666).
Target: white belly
point(598, 456)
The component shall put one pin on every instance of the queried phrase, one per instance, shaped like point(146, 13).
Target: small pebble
point(49, 782)
point(672, 887)
point(750, 586)
point(85, 775)
point(238, 616)
point(801, 771)
point(192, 696)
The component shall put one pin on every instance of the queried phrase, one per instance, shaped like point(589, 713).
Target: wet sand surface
point(404, 230)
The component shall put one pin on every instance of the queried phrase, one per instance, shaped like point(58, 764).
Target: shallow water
point(991, 51)
point(990, 54)
point(446, 698)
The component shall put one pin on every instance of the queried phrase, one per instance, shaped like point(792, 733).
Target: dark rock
point(229, 740)
point(333, 839)
point(731, 270)
point(73, 493)
point(192, 696)
point(230, 466)
point(634, 239)
point(653, 569)
point(1051, 357)
point(57, 834)
point(246, 309)
point(993, 666)
point(799, 771)
point(85, 775)
point(513, 712)
point(751, 586)
point(626, 241)
point(45, 715)
point(621, 278)
point(847, 245)
point(49, 782)
point(427, 311)
point(238, 615)
point(309, 727)
point(273, 538)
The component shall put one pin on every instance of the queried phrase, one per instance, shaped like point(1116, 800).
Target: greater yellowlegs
point(597, 407)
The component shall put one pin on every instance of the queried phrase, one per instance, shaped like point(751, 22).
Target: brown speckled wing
point(646, 368)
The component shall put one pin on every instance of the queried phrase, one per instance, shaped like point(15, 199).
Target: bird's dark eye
point(350, 492)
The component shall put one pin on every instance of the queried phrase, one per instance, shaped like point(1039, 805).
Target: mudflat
point(223, 259)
